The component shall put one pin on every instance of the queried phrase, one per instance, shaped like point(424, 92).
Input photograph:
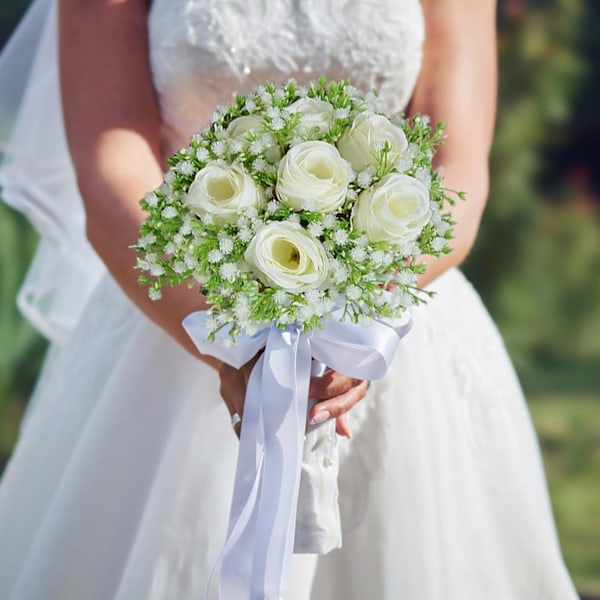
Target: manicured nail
point(320, 417)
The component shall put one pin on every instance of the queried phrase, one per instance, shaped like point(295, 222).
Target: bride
point(120, 484)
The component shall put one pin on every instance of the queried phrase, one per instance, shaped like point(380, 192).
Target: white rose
point(223, 191)
point(368, 131)
point(241, 126)
point(284, 255)
point(313, 176)
point(395, 209)
point(316, 117)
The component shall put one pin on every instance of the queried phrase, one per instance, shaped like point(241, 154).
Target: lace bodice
point(204, 51)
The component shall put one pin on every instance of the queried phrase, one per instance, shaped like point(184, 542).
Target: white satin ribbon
point(255, 561)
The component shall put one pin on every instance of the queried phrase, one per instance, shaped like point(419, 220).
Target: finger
point(237, 427)
point(232, 389)
point(249, 366)
point(341, 426)
point(334, 407)
point(331, 384)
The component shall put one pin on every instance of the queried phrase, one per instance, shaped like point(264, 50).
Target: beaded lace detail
point(203, 51)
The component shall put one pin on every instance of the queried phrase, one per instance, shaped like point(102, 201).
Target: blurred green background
point(536, 264)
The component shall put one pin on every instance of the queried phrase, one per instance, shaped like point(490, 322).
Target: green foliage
point(568, 429)
point(542, 285)
point(21, 348)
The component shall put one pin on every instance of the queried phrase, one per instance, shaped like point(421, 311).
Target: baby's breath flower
point(257, 146)
point(211, 323)
point(264, 95)
point(329, 221)
point(156, 270)
point(361, 241)
point(225, 245)
point(146, 240)
point(340, 237)
point(340, 273)
point(202, 154)
point(277, 124)
point(228, 271)
point(215, 256)
point(403, 163)
point(190, 260)
point(305, 312)
point(179, 267)
point(438, 244)
point(272, 207)
point(237, 146)
point(142, 265)
point(170, 177)
point(273, 112)
point(364, 178)
point(424, 176)
point(441, 228)
point(245, 235)
point(242, 221)
point(315, 229)
point(151, 199)
point(219, 148)
point(406, 278)
point(185, 167)
point(259, 164)
point(358, 254)
point(353, 292)
point(342, 113)
point(313, 296)
point(377, 257)
point(154, 294)
point(282, 299)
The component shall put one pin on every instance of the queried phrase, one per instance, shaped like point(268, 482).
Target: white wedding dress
point(119, 487)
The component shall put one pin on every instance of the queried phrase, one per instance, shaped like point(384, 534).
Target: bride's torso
point(204, 51)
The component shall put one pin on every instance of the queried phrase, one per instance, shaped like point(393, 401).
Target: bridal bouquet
point(294, 201)
point(300, 213)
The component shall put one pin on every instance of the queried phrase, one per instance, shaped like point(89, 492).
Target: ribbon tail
point(285, 424)
point(236, 557)
point(256, 559)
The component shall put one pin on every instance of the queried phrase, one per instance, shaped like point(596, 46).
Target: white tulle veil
point(37, 178)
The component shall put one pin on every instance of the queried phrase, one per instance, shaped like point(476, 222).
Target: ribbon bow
point(256, 558)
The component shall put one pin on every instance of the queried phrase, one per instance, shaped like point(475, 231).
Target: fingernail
point(320, 417)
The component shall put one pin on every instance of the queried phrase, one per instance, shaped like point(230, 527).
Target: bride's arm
point(112, 124)
point(457, 85)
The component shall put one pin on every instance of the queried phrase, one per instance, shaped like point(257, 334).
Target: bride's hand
point(336, 393)
point(233, 388)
